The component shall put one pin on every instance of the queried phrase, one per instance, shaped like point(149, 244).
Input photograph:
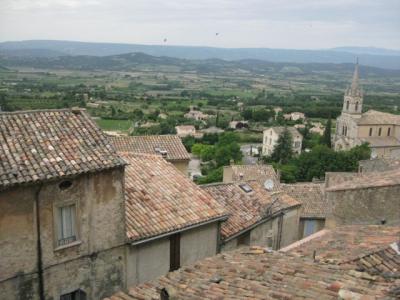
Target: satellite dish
point(269, 184)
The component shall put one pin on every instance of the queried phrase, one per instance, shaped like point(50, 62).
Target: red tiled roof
point(246, 209)
point(160, 199)
point(259, 274)
point(147, 145)
point(311, 196)
point(261, 173)
point(345, 243)
point(49, 144)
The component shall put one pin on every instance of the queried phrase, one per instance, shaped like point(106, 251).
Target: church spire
point(354, 89)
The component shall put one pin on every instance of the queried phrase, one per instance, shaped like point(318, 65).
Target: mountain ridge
point(382, 58)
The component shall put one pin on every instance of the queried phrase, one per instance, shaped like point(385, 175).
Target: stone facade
point(93, 263)
point(271, 135)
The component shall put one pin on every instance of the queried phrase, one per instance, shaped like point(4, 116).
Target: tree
point(283, 151)
point(326, 138)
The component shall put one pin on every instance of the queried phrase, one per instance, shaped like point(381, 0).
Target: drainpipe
point(280, 225)
point(39, 246)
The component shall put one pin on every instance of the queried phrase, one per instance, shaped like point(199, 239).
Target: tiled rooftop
point(43, 145)
point(368, 180)
point(255, 273)
point(160, 199)
point(247, 208)
point(280, 129)
point(345, 243)
point(311, 196)
point(260, 173)
point(372, 117)
point(152, 144)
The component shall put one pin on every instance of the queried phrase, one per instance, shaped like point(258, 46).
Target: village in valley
point(222, 150)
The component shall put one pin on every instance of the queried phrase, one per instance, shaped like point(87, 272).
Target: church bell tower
point(353, 96)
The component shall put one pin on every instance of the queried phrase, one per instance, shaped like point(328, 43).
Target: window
point(244, 239)
point(356, 106)
point(174, 252)
point(380, 131)
point(388, 133)
point(310, 226)
point(66, 225)
point(370, 131)
point(75, 295)
point(296, 144)
point(347, 105)
point(246, 188)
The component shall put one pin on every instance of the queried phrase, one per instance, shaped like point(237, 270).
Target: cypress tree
point(283, 151)
point(326, 138)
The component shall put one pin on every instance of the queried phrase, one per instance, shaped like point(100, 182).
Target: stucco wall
point(150, 260)
point(147, 261)
point(181, 165)
point(199, 243)
point(364, 206)
point(100, 213)
point(290, 227)
point(259, 235)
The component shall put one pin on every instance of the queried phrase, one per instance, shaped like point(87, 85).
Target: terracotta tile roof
point(255, 273)
point(345, 243)
point(152, 144)
point(49, 144)
point(280, 129)
point(247, 208)
point(381, 141)
point(367, 180)
point(160, 199)
point(374, 117)
point(311, 196)
point(260, 173)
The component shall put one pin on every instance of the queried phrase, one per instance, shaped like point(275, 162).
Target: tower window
point(347, 105)
point(380, 131)
point(388, 131)
point(356, 106)
point(370, 131)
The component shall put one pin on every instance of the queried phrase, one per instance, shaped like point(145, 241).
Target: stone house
point(351, 262)
point(259, 173)
point(196, 115)
point(170, 221)
point(365, 198)
point(256, 215)
point(353, 127)
point(313, 206)
point(294, 116)
point(271, 135)
point(169, 147)
point(59, 175)
point(187, 130)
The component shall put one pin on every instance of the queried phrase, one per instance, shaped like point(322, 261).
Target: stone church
point(353, 127)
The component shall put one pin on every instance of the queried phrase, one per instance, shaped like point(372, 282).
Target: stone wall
point(96, 258)
point(364, 206)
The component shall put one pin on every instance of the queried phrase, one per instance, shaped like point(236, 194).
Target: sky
point(293, 24)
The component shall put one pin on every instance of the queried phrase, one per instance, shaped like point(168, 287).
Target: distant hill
point(375, 57)
point(141, 61)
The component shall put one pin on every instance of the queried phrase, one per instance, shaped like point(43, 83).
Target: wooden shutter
point(175, 252)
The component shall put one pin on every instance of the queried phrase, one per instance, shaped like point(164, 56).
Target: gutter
point(145, 240)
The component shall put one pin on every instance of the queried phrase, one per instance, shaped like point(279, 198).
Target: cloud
point(251, 23)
